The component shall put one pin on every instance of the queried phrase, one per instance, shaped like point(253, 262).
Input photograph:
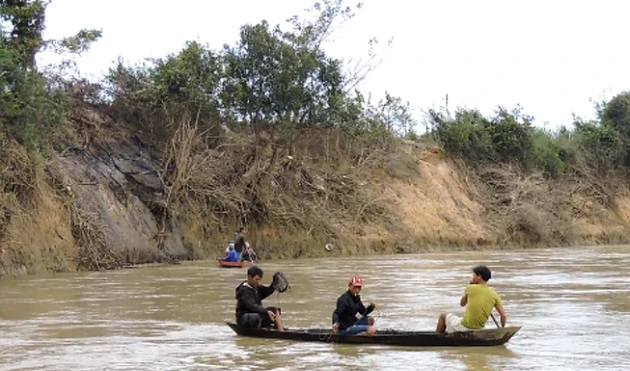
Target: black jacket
point(348, 306)
point(249, 299)
point(239, 242)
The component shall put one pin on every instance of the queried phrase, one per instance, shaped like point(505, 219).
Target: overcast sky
point(549, 56)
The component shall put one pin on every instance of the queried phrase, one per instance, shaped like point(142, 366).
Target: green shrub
point(547, 154)
point(30, 104)
point(601, 146)
point(465, 136)
point(511, 139)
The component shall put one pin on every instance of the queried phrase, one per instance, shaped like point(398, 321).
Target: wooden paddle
point(495, 320)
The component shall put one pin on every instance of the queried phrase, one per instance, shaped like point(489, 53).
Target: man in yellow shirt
point(479, 301)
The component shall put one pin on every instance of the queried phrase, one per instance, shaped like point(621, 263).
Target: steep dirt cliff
point(100, 202)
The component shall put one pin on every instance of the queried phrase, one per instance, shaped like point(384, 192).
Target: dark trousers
point(258, 320)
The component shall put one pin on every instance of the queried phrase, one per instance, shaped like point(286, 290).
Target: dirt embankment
point(102, 201)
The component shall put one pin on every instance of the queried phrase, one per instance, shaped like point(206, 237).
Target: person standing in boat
point(249, 297)
point(348, 306)
point(479, 301)
point(239, 241)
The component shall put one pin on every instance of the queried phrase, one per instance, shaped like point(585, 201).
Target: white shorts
point(454, 324)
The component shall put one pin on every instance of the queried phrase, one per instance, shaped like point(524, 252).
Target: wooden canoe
point(485, 337)
point(237, 264)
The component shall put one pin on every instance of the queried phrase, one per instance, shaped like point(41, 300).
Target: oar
point(495, 320)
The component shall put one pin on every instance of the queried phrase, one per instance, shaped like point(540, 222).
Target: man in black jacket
point(249, 297)
point(348, 305)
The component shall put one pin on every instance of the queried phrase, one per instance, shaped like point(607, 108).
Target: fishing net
point(280, 282)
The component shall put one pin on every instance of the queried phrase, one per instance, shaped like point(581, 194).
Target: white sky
point(549, 56)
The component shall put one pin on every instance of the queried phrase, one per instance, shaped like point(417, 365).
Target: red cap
point(356, 281)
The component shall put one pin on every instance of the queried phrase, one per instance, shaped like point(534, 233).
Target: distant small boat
point(485, 337)
point(238, 264)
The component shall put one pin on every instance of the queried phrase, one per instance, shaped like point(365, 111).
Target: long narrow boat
point(485, 337)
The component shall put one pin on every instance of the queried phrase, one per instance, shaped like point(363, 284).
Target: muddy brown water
point(573, 305)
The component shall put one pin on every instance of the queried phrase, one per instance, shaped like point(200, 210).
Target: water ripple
point(572, 303)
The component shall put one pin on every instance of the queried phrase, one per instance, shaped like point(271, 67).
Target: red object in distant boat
point(238, 264)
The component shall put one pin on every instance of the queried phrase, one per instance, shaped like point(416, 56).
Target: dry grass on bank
point(41, 227)
point(320, 184)
point(31, 228)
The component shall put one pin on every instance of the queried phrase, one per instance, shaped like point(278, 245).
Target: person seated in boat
point(229, 246)
point(479, 301)
point(248, 254)
point(349, 304)
point(231, 255)
point(249, 297)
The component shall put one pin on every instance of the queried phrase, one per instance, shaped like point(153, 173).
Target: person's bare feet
point(279, 326)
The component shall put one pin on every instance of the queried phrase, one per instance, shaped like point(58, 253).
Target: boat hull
point(238, 264)
point(486, 337)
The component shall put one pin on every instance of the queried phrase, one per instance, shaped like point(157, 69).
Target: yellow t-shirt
point(481, 300)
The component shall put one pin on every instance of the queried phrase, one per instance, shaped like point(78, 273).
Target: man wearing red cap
point(348, 305)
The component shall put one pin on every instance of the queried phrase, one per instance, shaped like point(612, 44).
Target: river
point(572, 304)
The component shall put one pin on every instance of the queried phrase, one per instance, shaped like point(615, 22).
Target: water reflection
point(572, 304)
